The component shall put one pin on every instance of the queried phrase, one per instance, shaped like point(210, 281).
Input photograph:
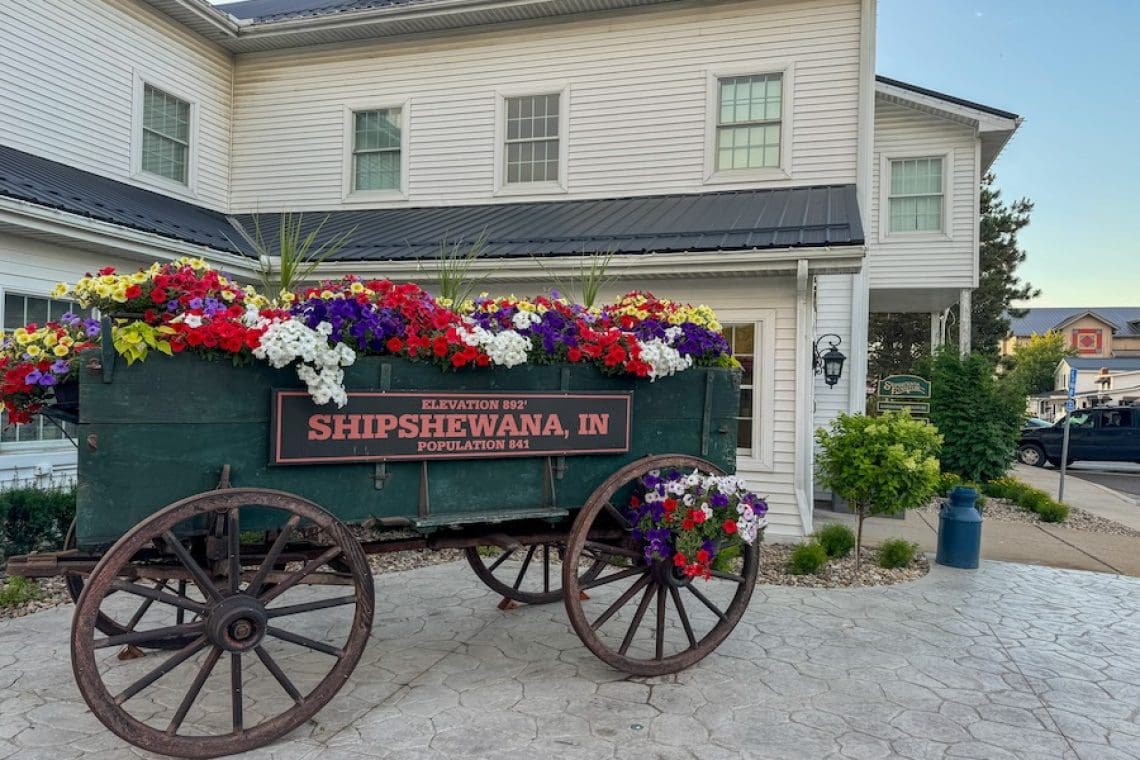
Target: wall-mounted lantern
point(829, 364)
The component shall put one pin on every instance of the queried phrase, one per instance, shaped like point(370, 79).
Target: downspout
point(865, 156)
point(805, 381)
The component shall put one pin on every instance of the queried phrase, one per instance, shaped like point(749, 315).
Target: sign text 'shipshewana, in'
point(380, 426)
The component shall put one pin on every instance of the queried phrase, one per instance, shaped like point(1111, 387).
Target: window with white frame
point(916, 193)
point(165, 135)
point(377, 140)
point(20, 310)
point(532, 143)
point(742, 340)
point(749, 121)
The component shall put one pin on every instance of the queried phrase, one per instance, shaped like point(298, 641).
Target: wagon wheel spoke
point(707, 602)
point(146, 604)
point(304, 641)
point(181, 656)
point(158, 594)
point(254, 587)
point(233, 530)
point(279, 674)
point(180, 616)
point(659, 650)
point(614, 551)
point(155, 634)
point(683, 615)
point(501, 559)
point(200, 576)
point(525, 565)
point(612, 578)
point(195, 689)
point(297, 576)
point(620, 602)
point(320, 604)
point(235, 690)
point(615, 513)
point(546, 568)
point(728, 576)
point(637, 618)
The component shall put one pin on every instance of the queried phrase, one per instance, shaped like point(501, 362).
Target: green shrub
point(979, 418)
point(17, 591)
point(879, 465)
point(807, 559)
point(895, 552)
point(947, 481)
point(836, 539)
point(34, 519)
point(1053, 512)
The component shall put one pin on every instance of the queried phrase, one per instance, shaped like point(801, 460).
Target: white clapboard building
point(742, 154)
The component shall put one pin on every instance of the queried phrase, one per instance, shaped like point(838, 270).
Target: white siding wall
point(32, 267)
point(67, 83)
point(949, 261)
point(833, 315)
point(637, 101)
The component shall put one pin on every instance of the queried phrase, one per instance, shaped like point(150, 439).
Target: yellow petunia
point(61, 351)
point(34, 351)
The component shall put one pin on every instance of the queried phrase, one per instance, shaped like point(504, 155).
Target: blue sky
point(1071, 70)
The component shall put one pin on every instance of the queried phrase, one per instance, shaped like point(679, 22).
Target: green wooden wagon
point(221, 513)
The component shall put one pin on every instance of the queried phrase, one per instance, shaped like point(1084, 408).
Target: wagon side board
point(162, 430)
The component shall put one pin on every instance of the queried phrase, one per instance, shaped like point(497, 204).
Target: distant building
point(1100, 332)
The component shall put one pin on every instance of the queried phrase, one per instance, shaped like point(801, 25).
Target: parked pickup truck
point(1103, 434)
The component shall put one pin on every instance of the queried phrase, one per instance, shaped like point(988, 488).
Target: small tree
point(879, 465)
point(980, 417)
point(1034, 364)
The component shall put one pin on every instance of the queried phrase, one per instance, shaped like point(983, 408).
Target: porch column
point(964, 310)
point(935, 331)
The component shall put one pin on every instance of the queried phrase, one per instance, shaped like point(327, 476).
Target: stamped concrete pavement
point(1004, 663)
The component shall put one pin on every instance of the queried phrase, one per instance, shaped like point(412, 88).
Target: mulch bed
point(1007, 511)
point(837, 573)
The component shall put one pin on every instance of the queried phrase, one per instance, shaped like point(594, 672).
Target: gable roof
point(939, 95)
point(739, 220)
point(37, 180)
point(1126, 319)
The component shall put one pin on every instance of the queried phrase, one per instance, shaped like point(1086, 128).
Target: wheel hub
point(668, 574)
point(237, 624)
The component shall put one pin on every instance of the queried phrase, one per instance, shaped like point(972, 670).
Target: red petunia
point(133, 291)
point(702, 556)
point(679, 560)
point(394, 345)
point(670, 506)
point(688, 523)
point(729, 526)
point(698, 516)
point(158, 295)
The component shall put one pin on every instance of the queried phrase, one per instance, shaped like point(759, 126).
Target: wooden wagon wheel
point(692, 616)
point(74, 583)
point(531, 580)
point(252, 613)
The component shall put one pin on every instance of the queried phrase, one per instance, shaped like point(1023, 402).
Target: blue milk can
point(959, 530)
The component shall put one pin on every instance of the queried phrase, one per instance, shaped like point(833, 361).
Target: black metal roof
point(263, 11)
point(733, 220)
point(942, 96)
point(729, 221)
point(59, 186)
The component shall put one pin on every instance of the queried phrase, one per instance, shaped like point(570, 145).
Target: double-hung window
point(377, 149)
point(915, 201)
point(742, 340)
point(532, 140)
point(749, 122)
point(20, 310)
point(165, 135)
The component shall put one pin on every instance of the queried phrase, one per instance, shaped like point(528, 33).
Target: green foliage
point(807, 559)
point(979, 418)
point(879, 465)
point(895, 553)
point(1034, 364)
point(134, 340)
point(948, 481)
point(34, 519)
point(17, 591)
point(453, 267)
point(293, 257)
point(1028, 498)
point(836, 539)
point(586, 283)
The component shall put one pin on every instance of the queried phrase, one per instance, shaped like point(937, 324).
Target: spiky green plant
point(586, 283)
point(453, 269)
point(295, 253)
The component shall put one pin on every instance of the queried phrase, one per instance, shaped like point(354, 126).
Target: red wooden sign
point(378, 426)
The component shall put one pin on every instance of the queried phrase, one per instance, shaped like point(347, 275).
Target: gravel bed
point(837, 573)
point(1006, 511)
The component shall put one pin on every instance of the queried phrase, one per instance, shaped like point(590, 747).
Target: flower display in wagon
point(35, 359)
point(697, 521)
